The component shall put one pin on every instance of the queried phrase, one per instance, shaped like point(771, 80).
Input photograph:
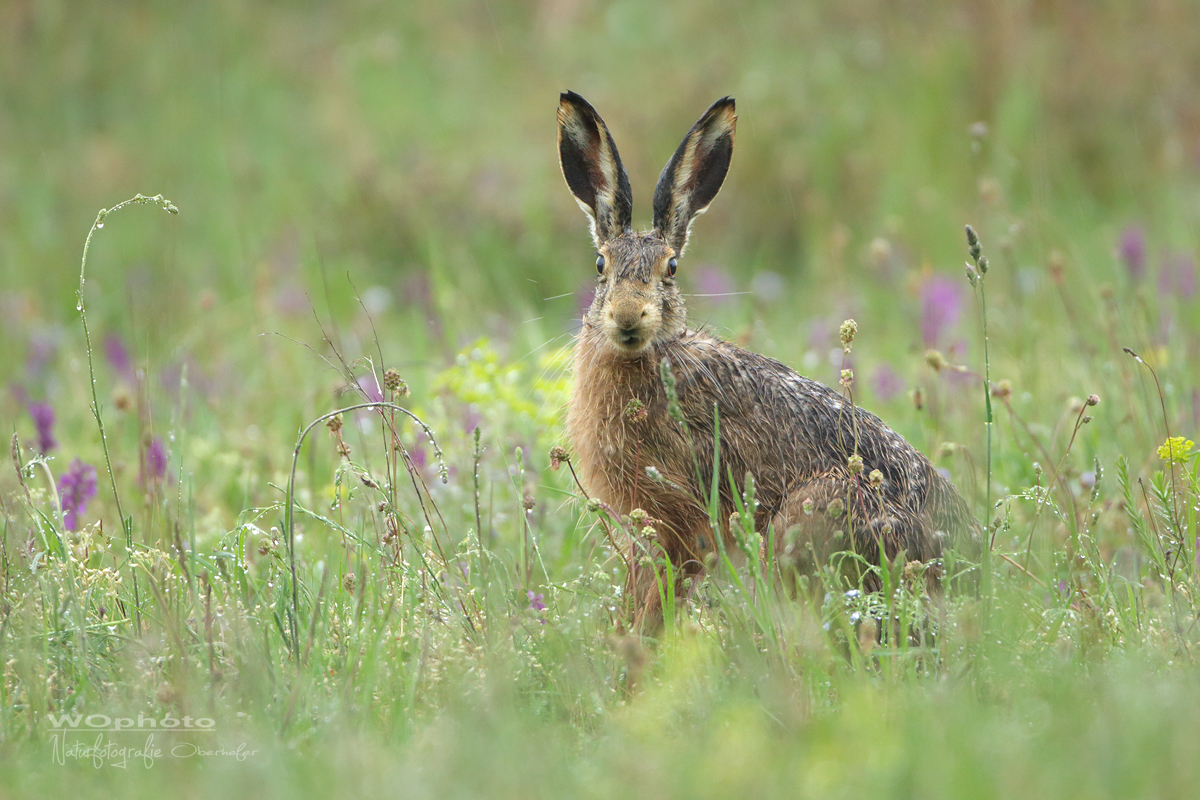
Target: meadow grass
point(414, 597)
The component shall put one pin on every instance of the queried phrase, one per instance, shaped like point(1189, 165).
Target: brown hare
point(801, 441)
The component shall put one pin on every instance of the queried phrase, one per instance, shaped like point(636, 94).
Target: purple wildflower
point(118, 355)
point(886, 382)
point(154, 463)
point(1131, 248)
point(941, 305)
point(43, 419)
point(714, 282)
point(535, 601)
point(76, 487)
point(370, 388)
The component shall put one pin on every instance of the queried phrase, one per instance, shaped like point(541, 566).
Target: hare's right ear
point(593, 169)
point(694, 174)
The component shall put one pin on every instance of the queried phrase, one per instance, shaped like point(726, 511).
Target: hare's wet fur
point(796, 436)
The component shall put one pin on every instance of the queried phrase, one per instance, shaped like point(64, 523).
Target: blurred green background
point(367, 171)
point(411, 146)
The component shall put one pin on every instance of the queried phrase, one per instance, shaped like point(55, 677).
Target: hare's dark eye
point(672, 265)
point(600, 265)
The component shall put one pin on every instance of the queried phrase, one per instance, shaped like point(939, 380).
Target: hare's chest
point(613, 443)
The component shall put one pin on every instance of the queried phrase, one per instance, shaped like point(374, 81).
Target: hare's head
point(637, 303)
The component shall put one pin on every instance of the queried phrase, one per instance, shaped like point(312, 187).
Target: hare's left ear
point(694, 174)
point(590, 163)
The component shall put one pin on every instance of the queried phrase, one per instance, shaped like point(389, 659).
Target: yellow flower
point(1176, 450)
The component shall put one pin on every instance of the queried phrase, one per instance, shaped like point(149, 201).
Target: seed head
point(876, 477)
point(348, 582)
point(334, 423)
point(527, 501)
point(935, 359)
point(836, 507)
point(973, 242)
point(343, 449)
point(394, 383)
point(855, 464)
point(847, 331)
point(847, 378)
point(1002, 389)
point(638, 516)
point(1093, 400)
point(558, 457)
point(635, 411)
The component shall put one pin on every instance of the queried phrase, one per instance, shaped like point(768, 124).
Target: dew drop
point(99, 225)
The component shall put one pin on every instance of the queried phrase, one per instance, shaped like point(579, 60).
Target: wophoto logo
point(78, 723)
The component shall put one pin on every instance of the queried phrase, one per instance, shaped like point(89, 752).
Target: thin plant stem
point(126, 524)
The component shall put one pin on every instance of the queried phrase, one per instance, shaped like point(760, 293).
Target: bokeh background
point(411, 147)
point(381, 179)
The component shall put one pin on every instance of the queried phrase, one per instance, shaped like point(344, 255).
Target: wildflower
point(536, 601)
point(370, 388)
point(855, 464)
point(76, 488)
point(348, 583)
point(635, 411)
point(807, 505)
point(343, 449)
point(527, 501)
point(846, 332)
point(1003, 390)
point(394, 383)
point(836, 507)
point(118, 355)
point(1092, 400)
point(935, 359)
point(334, 423)
point(1131, 249)
point(558, 457)
point(714, 282)
point(43, 420)
point(847, 378)
point(154, 462)
point(941, 305)
point(1176, 450)
point(876, 477)
point(886, 382)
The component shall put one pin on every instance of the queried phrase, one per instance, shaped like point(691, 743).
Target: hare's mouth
point(630, 339)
